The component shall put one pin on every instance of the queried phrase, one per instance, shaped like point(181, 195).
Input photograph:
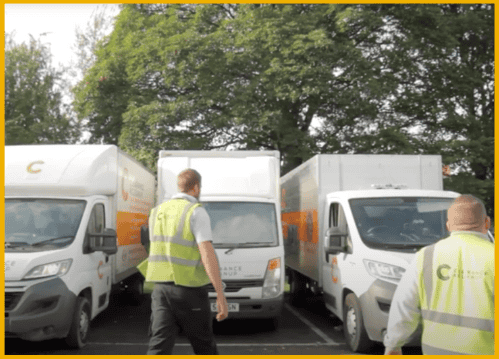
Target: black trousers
point(174, 308)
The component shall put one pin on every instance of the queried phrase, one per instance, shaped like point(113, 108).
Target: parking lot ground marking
point(317, 331)
point(316, 344)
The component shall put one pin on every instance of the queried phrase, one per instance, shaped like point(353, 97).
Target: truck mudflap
point(252, 308)
point(375, 304)
point(43, 311)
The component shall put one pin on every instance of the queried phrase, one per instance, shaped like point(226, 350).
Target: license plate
point(233, 307)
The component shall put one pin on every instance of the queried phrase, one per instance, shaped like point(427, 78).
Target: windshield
point(242, 224)
point(41, 222)
point(401, 222)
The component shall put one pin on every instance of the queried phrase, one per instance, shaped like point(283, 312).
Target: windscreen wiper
point(247, 244)
point(407, 245)
point(50, 240)
point(13, 244)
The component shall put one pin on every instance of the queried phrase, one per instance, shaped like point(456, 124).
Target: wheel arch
point(87, 293)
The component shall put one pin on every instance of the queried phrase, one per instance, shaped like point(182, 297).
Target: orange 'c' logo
point(98, 272)
point(30, 167)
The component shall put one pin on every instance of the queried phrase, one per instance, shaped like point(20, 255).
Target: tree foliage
point(34, 112)
point(302, 79)
point(445, 74)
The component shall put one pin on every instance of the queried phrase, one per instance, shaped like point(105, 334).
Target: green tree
point(234, 76)
point(302, 79)
point(445, 69)
point(34, 111)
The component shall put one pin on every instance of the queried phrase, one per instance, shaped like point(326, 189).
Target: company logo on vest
point(445, 272)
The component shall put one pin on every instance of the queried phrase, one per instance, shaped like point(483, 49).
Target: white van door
point(331, 269)
point(99, 263)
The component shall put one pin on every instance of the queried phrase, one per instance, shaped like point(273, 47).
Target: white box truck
point(351, 224)
point(240, 191)
point(72, 234)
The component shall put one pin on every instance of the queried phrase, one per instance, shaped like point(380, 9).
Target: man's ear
point(447, 226)
point(487, 223)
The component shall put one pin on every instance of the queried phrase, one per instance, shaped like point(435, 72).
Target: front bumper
point(375, 304)
point(255, 308)
point(38, 310)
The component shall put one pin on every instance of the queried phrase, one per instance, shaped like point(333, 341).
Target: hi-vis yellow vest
point(174, 255)
point(456, 292)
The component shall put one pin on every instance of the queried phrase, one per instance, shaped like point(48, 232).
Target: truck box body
point(304, 190)
point(352, 223)
point(62, 195)
point(240, 191)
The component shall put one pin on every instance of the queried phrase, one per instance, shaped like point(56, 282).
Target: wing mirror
point(335, 241)
point(103, 242)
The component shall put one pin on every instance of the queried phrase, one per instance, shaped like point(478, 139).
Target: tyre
point(135, 290)
point(297, 289)
point(80, 325)
point(274, 323)
point(353, 325)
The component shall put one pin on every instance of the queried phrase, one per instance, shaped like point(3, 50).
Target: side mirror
point(103, 242)
point(335, 241)
point(144, 236)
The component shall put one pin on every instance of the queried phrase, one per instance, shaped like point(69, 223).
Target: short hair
point(467, 212)
point(187, 179)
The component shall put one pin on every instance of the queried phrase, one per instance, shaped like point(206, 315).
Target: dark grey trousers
point(174, 308)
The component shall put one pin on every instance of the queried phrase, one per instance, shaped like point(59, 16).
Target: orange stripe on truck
point(128, 227)
point(300, 225)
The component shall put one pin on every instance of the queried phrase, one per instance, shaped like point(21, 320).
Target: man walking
point(449, 287)
point(182, 261)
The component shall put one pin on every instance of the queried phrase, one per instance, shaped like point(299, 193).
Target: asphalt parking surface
point(122, 330)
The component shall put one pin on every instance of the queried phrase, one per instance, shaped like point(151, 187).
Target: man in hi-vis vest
point(181, 263)
point(449, 288)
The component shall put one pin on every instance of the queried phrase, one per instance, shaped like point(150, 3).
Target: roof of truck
point(379, 193)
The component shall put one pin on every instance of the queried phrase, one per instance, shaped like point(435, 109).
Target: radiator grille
point(11, 299)
point(236, 285)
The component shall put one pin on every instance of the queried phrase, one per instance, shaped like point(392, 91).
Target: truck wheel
point(135, 291)
point(274, 323)
point(80, 326)
point(353, 325)
point(297, 289)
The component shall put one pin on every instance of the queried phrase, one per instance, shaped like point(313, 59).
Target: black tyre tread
point(73, 339)
point(361, 342)
point(298, 289)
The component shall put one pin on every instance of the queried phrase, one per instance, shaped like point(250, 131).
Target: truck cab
point(240, 192)
point(72, 217)
point(351, 226)
point(371, 239)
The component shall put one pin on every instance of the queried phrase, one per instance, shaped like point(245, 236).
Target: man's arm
point(405, 313)
point(210, 262)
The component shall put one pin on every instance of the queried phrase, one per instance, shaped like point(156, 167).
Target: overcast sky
point(57, 21)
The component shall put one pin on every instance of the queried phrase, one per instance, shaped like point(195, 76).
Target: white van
point(351, 225)
point(240, 191)
point(72, 234)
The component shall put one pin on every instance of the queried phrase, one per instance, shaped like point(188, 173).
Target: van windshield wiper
point(50, 240)
point(414, 246)
point(247, 244)
point(13, 244)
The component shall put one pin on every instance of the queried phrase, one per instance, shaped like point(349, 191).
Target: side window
point(333, 215)
point(337, 219)
point(337, 216)
point(96, 224)
point(97, 221)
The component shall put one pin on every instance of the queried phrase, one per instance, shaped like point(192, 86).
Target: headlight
point(272, 281)
point(50, 269)
point(384, 271)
